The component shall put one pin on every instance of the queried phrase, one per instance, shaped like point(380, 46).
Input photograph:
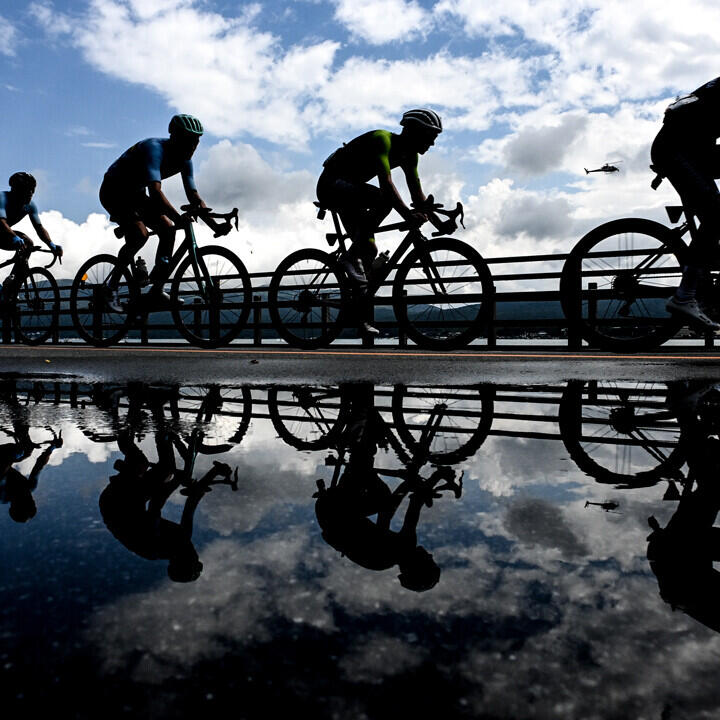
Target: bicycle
point(441, 290)
point(618, 277)
point(210, 291)
point(450, 423)
point(30, 299)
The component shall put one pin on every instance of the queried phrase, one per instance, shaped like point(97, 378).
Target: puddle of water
point(360, 551)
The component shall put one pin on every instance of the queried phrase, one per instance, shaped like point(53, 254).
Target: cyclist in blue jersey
point(16, 204)
point(131, 192)
point(344, 185)
point(685, 151)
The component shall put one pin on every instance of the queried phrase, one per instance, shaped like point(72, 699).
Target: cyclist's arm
point(6, 230)
point(42, 233)
point(416, 192)
point(193, 195)
point(160, 201)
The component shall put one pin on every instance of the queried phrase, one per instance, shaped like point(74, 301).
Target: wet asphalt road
point(246, 364)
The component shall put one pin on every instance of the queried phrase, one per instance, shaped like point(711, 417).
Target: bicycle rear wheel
point(94, 321)
point(621, 433)
point(307, 297)
point(308, 418)
point(442, 294)
point(616, 281)
point(37, 304)
point(211, 315)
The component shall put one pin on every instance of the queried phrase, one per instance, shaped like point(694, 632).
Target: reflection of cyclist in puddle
point(132, 503)
point(16, 489)
point(682, 554)
point(344, 509)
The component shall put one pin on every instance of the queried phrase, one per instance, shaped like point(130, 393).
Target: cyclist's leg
point(691, 172)
point(127, 211)
point(362, 207)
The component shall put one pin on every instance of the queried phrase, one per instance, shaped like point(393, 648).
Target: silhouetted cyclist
point(685, 152)
point(682, 554)
point(133, 502)
point(343, 510)
point(16, 489)
point(345, 185)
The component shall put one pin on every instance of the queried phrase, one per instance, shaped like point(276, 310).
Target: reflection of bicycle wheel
point(94, 321)
point(306, 298)
point(615, 283)
point(463, 415)
point(307, 418)
point(621, 433)
point(36, 306)
point(220, 415)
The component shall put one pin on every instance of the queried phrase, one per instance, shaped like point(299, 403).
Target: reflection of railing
point(620, 433)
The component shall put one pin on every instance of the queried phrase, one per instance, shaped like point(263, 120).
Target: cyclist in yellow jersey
point(344, 186)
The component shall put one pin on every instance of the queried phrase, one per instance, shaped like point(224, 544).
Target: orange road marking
point(479, 355)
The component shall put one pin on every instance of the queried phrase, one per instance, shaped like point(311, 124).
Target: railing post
point(197, 315)
point(709, 340)
point(402, 336)
point(492, 317)
point(257, 319)
point(368, 340)
point(574, 337)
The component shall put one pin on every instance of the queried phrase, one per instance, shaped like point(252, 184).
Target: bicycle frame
point(413, 238)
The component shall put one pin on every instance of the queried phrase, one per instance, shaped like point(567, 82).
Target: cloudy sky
point(530, 91)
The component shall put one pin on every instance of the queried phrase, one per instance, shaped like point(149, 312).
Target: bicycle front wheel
point(36, 306)
point(94, 321)
point(616, 281)
point(307, 296)
point(446, 424)
point(211, 300)
point(442, 294)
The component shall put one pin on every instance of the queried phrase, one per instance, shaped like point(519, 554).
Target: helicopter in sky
point(606, 168)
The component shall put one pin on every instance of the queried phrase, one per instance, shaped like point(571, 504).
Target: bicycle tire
point(223, 424)
point(211, 320)
point(467, 419)
point(626, 311)
point(307, 299)
point(315, 423)
point(443, 325)
point(593, 427)
point(90, 283)
point(37, 304)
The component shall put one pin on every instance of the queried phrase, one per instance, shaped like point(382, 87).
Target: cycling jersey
point(12, 212)
point(146, 162)
point(368, 156)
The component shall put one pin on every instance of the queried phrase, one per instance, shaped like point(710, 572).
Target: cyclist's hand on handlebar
point(56, 249)
point(416, 219)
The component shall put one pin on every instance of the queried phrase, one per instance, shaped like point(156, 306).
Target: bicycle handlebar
point(454, 215)
point(230, 218)
point(38, 248)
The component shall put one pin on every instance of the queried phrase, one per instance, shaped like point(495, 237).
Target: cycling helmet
point(22, 181)
point(428, 119)
point(185, 125)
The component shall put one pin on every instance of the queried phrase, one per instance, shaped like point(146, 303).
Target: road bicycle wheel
point(306, 297)
point(451, 423)
point(442, 294)
point(37, 304)
point(210, 315)
point(621, 433)
point(221, 414)
point(307, 418)
point(94, 321)
point(616, 281)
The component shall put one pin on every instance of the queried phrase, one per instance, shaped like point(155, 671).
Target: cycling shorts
point(128, 208)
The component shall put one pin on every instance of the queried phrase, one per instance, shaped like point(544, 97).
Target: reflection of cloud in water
point(535, 521)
